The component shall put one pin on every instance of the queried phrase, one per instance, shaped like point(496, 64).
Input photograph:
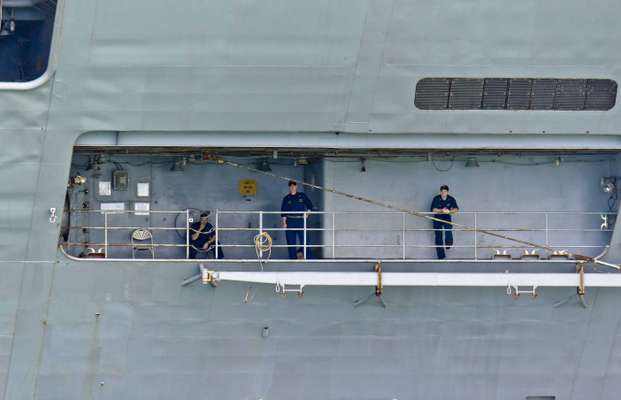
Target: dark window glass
point(25, 37)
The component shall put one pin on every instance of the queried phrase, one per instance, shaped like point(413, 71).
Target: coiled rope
point(263, 247)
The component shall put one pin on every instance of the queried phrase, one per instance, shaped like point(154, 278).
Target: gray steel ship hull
point(119, 330)
point(126, 330)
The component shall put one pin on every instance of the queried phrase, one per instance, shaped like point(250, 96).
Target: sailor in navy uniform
point(294, 223)
point(203, 237)
point(443, 206)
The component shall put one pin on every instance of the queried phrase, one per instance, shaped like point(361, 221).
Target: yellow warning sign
point(248, 187)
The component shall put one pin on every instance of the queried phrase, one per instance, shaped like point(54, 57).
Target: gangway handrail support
point(187, 233)
point(216, 237)
point(304, 247)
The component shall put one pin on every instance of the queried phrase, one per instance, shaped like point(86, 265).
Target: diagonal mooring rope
point(418, 214)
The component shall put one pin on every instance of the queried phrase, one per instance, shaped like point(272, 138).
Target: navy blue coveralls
point(295, 202)
point(441, 228)
point(203, 237)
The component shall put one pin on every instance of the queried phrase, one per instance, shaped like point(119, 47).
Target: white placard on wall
point(112, 206)
point(141, 208)
point(142, 189)
point(105, 188)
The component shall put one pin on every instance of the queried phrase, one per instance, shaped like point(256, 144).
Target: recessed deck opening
point(141, 202)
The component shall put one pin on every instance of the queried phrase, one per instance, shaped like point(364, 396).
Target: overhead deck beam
point(334, 140)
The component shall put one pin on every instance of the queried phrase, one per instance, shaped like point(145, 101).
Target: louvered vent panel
point(466, 94)
point(570, 94)
point(495, 94)
point(432, 93)
point(601, 94)
point(519, 94)
point(542, 94)
point(515, 94)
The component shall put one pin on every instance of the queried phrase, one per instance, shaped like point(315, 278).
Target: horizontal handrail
point(539, 212)
point(328, 233)
point(241, 229)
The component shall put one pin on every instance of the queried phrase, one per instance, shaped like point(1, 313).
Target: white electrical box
point(143, 189)
point(141, 208)
point(105, 188)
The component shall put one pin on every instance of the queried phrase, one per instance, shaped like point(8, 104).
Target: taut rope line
point(418, 214)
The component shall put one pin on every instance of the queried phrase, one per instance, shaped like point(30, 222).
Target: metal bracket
point(209, 277)
point(604, 224)
point(206, 276)
point(514, 291)
point(580, 289)
point(282, 289)
point(53, 215)
point(379, 288)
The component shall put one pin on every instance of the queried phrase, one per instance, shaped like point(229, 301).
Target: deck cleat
point(530, 255)
point(502, 255)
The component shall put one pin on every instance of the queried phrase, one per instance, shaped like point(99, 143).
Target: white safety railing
point(343, 234)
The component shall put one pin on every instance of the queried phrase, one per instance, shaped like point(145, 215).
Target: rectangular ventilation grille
point(432, 94)
point(601, 94)
point(570, 94)
point(542, 94)
point(466, 94)
point(515, 94)
point(519, 94)
point(495, 94)
point(540, 397)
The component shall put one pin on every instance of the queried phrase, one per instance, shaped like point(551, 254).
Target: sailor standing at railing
point(294, 223)
point(443, 206)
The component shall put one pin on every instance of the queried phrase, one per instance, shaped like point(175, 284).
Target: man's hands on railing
point(209, 243)
point(445, 210)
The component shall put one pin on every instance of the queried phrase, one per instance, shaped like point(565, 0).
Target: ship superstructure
point(122, 122)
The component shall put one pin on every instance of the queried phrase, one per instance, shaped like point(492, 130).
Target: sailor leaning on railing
point(443, 206)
